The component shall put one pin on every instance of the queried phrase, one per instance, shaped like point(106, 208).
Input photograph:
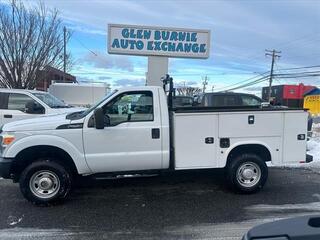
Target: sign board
point(158, 41)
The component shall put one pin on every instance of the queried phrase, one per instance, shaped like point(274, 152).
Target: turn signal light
point(7, 139)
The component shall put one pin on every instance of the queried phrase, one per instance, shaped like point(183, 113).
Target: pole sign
point(158, 41)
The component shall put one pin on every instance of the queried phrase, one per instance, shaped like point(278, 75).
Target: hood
point(49, 122)
point(66, 110)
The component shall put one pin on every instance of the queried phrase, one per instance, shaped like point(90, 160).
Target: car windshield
point(50, 100)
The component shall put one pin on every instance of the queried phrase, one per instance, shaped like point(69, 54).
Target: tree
point(188, 91)
point(30, 40)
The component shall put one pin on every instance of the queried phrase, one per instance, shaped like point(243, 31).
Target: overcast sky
point(240, 33)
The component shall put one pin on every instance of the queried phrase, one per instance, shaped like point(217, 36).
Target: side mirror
point(99, 118)
point(32, 107)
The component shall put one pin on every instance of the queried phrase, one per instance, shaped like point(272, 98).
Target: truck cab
point(19, 104)
point(137, 130)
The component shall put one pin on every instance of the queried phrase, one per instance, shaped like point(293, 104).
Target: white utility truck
point(19, 104)
point(136, 131)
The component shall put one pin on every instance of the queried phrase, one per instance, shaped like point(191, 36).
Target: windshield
point(50, 100)
point(81, 114)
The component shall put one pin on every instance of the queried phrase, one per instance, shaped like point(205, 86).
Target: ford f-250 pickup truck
point(136, 130)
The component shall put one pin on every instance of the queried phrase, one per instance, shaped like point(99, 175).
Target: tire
point(45, 182)
point(247, 173)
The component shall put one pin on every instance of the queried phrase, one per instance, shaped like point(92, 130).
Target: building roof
point(315, 91)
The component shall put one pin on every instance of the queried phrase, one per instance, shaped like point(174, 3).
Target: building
point(287, 95)
point(312, 101)
point(50, 74)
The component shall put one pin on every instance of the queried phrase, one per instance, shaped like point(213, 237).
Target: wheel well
point(31, 154)
point(258, 149)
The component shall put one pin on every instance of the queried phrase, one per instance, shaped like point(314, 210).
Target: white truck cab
point(136, 130)
point(18, 104)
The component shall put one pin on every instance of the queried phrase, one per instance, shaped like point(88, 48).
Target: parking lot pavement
point(193, 205)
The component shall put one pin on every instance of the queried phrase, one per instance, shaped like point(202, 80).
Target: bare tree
point(30, 40)
point(188, 91)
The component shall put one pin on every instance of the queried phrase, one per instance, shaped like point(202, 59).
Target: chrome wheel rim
point(44, 184)
point(248, 174)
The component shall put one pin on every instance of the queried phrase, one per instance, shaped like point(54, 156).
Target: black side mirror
point(99, 118)
point(32, 107)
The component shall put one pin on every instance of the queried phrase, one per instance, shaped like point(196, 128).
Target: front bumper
point(5, 167)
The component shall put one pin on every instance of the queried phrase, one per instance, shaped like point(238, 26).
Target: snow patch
point(313, 147)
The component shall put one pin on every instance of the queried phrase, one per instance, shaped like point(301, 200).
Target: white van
point(18, 104)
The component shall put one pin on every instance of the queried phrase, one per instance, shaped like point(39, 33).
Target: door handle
point(209, 140)
point(7, 116)
point(155, 133)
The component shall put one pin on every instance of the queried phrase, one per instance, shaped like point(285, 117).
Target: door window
point(18, 101)
point(224, 101)
point(130, 107)
point(4, 100)
point(250, 101)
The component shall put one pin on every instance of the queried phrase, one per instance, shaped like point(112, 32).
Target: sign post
point(158, 43)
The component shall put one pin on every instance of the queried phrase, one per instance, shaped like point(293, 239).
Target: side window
point(4, 100)
point(217, 101)
point(250, 101)
point(18, 101)
point(130, 107)
point(230, 101)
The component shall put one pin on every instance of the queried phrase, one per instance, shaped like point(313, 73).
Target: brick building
point(50, 74)
point(287, 95)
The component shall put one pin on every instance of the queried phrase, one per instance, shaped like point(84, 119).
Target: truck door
point(132, 138)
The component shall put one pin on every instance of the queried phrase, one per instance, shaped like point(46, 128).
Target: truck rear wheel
point(45, 182)
point(247, 173)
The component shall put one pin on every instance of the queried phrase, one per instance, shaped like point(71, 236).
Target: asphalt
point(193, 205)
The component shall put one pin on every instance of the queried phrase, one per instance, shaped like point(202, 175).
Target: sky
point(240, 33)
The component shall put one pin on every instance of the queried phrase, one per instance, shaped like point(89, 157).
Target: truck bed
point(200, 134)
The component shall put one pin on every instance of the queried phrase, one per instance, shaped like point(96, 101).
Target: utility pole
point(204, 83)
point(64, 52)
point(274, 54)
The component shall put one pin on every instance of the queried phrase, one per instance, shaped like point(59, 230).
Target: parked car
point(297, 228)
point(227, 100)
point(182, 101)
point(132, 132)
point(18, 104)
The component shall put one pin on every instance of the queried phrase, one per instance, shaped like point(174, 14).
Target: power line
point(315, 66)
point(84, 46)
point(262, 79)
point(312, 72)
point(302, 76)
point(243, 81)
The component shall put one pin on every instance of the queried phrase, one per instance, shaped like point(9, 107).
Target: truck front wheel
point(45, 182)
point(247, 173)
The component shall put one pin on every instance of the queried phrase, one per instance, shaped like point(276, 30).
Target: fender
point(268, 146)
point(55, 141)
